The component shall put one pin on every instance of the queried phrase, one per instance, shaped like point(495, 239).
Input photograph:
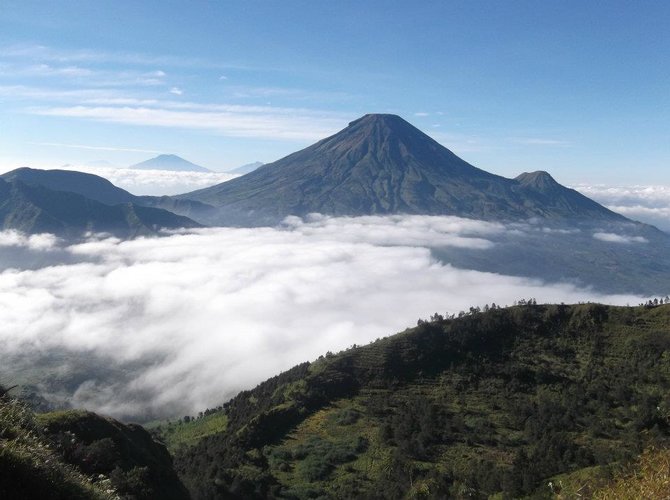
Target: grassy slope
point(648, 478)
point(31, 468)
point(177, 434)
point(80, 455)
point(502, 401)
point(137, 464)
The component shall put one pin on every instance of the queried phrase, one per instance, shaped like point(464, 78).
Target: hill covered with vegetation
point(531, 401)
point(80, 455)
point(505, 402)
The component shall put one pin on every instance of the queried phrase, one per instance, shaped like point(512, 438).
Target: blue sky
point(581, 89)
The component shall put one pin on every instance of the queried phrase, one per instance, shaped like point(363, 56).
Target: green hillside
point(490, 403)
point(80, 455)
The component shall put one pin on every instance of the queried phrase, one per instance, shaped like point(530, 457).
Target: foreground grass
point(649, 478)
point(29, 468)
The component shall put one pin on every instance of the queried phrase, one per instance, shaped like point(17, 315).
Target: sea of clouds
point(155, 182)
point(646, 203)
point(191, 318)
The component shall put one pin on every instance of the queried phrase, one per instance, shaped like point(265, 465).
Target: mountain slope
point(36, 209)
point(100, 189)
point(380, 164)
point(245, 169)
point(169, 162)
point(489, 402)
point(545, 192)
point(80, 455)
point(127, 453)
point(91, 186)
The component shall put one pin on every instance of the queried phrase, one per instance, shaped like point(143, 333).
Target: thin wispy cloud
point(460, 143)
point(36, 52)
point(38, 93)
point(77, 75)
point(94, 148)
point(141, 108)
point(89, 88)
point(619, 238)
point(296, 94)
point(238, 120)
point(245, 123)
point(53, 71)
point(537, 141)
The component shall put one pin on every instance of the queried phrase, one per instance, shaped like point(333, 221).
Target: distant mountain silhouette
point(245, 169)
point(380, 164)
point(101, 190)
point(169, 162)
point(91, 186)
point(36, 209)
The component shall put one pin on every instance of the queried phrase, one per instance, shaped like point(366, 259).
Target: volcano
point(381, 164)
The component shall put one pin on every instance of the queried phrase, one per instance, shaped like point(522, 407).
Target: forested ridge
point(69, 455)
point(518, 402)
point(530, 401)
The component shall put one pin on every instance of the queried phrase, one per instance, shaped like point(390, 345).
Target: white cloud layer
point(646, 203)
point(155, 182)
point(13, 238)
point(194, 317)
point(619, 238)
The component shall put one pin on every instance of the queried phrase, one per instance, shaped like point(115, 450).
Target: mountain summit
point(381, 164)
point(169, 162)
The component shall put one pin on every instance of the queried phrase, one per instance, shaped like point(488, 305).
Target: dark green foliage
point(29, 468)
point(176, 434)
point(495, 401)
point(347, 416)
point(318, 457)
point(138, 467)
point(21, 478)
point(414, 426)
point(135, 483)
